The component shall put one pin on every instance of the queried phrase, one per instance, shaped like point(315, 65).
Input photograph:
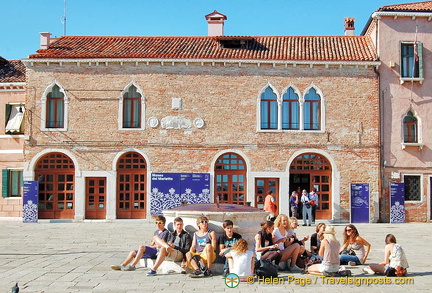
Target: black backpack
point(265, 268)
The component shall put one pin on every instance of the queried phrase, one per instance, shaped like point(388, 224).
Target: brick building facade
point(133, 106)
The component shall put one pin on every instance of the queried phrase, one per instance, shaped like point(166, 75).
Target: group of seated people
point(276, 242)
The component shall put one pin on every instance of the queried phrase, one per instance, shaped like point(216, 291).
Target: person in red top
point(270, 205)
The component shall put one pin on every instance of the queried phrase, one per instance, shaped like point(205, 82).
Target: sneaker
point(225, 273)
point(196, 274)
point(116, 268)
point(352, 263)
point(368, 271)
point(346, 273)
point(128, 268)
point(295, 268)
point(208, 273)
point(151, 273)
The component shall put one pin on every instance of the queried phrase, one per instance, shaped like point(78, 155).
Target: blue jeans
point(346, 258)
point(226, 266)
point(308, 212)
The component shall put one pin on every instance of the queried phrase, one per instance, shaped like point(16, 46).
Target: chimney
point(349, 26)
point(44, 40)
point(215, 22)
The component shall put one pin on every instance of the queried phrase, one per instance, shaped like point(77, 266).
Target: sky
point(21, 21)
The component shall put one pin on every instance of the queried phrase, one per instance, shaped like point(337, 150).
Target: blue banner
point(359, 203)
point(30, 201)
point(397, 202)
point(170, 190)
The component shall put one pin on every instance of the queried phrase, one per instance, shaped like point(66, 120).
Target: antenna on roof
point(63, 19)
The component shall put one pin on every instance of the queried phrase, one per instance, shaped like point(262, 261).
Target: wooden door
point(262, 187)
point(95, 198)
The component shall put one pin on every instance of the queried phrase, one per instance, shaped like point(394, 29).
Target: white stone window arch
point(312, 113)
point(268, 109)
point(141, 112)
point(65, 108)
point(411, 129)
point(290, 113)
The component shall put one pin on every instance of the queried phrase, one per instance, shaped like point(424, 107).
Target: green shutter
point(5, 183)
point(420, 56)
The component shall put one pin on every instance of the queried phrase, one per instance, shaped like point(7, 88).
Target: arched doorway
point(230, 179)
point(131, 186)
point(313, 170)
point(55, 173)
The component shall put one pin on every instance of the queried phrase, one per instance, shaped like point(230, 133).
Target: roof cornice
point(12, 86)
point(412, 14)
point(172, 62)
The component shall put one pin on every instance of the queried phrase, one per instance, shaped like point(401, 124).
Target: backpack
point(265, 268)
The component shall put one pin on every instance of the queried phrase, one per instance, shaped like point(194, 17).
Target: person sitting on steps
point(203, 248)
point(175, 248)
point(145, 251)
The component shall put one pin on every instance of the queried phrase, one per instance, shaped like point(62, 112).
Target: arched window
point(312, 110)
point(290, 110)
point(132, 108)
point(55, 108)
point(269, 109)
point(410, 128)
point(230, 179)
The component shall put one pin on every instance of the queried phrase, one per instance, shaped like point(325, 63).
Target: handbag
point(265, 268)
point(349, 251)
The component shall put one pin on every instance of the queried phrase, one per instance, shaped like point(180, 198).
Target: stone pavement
point(76, 257)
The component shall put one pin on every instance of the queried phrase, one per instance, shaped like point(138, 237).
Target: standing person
point(270, 204)
point(226, 242)
point(294, 204)
point(241, 260)
point(203, 248)
point(329, 251)
point(307, 207)
point(395, 262)
point(175, 248)
point(313, 197)
point(353, 251)
point(144, 251)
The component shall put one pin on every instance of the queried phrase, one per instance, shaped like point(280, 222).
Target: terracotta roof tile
point(425, 6)
point(12, 71)
point(307, 48)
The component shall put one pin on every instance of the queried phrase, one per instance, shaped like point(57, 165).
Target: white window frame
point(120, 109)
point(421, 187)
point(419, 142)
point(48, 89)
point(421, 67)
point(301, 105)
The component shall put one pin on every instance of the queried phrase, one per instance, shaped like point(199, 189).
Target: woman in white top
point(395, 262)
point(289, 249)
point(241, 260)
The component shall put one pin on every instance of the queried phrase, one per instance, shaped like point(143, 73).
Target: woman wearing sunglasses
point(143, 251)
point(202, 252)
point(355, 249)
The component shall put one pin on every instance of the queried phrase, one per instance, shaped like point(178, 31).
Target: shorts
point(204, 257)
point(176, 255)
point(329, 269)
point(150, 252)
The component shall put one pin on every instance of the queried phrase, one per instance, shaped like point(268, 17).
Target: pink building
point(12, 99)
point(402, 37)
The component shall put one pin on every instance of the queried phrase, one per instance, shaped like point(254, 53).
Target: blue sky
point(22, 20)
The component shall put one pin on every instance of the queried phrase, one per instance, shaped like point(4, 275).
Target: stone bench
point(168, 266)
